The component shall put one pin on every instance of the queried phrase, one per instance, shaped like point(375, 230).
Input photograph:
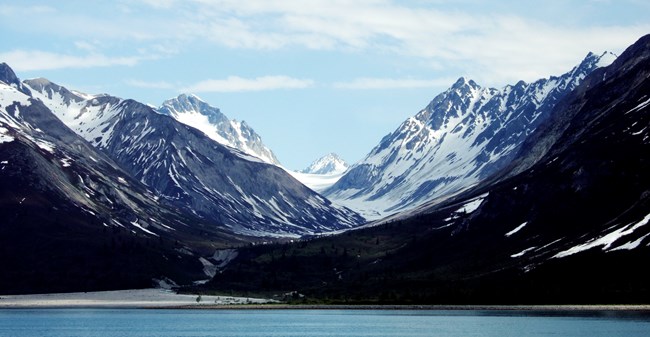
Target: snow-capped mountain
point(328, 164)
point(464, 135)
point(191, 110)
point(322, 173)
point(219, 184)
point(72, 214)
point(571, 225)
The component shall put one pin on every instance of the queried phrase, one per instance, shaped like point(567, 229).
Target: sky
point(310, 76)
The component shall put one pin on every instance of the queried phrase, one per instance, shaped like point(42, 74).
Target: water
point(325, 323)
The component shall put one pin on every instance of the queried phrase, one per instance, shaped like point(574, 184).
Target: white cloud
point(392, 83)
point(29, 60)
point(159, 3)
point(7, 10)
point(238, 84)
point(494, 48)
point(149, 84)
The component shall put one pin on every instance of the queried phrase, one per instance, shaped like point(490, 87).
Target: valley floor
point(160, 298)
point(140, 298)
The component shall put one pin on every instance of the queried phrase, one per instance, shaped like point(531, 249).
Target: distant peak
point(191, 104)
point(196, 97)
point(186, 103)
point(8, 75)
point(592, 60)
point(192, 97)
point(606, 59)
point(39, 80)
point(187, 97)
point(330, 163)
point(464, 82)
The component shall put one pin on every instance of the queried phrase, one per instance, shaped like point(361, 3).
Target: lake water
point(403, 323)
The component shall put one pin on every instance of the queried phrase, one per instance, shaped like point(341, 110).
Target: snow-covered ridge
point(90, 116)
point(193, 111)
point(328, 164)
point(322, 173)
point(465, 134)
point(231, 187)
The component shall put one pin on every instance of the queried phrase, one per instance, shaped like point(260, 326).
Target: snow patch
point(4, 137)
point(606, 59)
point(136, 224)
point(317, 182)
point(472, 205)
point(516, 229)
point(606, 240)
point(520, 254)
point(47, 146)
point(66, 162)
point(640, 106)
point(631, 245)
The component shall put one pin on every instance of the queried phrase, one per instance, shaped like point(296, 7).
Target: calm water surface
point(162, 323)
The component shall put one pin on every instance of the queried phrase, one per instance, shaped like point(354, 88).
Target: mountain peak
point(464, 135)
point(606, 59)
point(190, 103)
point(7, 75)
point(464, 82)
point(191, 110)
point(593, 61)
point(189, 98)
point(330, 163)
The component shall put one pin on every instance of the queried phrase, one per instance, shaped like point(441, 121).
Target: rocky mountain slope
point(567, 221)
point(73, 219)
point(182, 165)
point(192, 111)
point(463, 136)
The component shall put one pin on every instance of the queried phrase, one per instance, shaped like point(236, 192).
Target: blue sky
point(311, 77)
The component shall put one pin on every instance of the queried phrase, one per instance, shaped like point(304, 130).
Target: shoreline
point(125, 299)
point(469, 307)
point(167, 299)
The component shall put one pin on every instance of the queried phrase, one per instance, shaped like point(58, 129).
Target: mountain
point(181, 165)
point(191, 110)
point(74, 220)
point(322, 173)
point(328, 164)
point(566, 221)
point(464, 135)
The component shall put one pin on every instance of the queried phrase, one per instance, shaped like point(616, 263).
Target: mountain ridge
point(330, 163)
point(464, 135)
point(193, 111)
point(100, 228)
point(566, 223)
point(181, 164)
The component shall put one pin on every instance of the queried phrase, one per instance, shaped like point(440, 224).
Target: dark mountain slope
point(463, 136)
point(568, 223)
point(223, 186)
point(73, 220)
